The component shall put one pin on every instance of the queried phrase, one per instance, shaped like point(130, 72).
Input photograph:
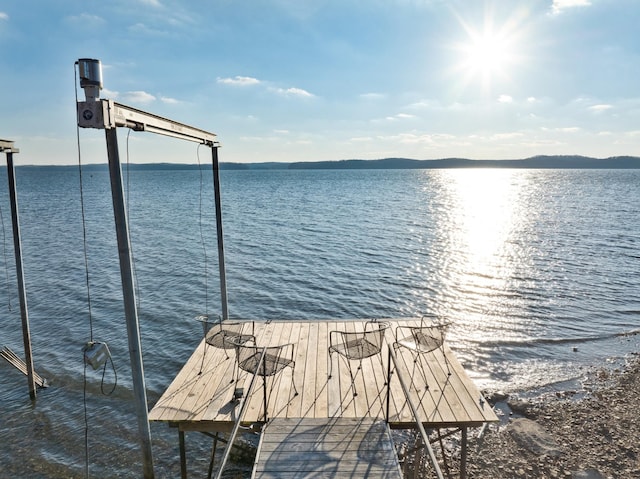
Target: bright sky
point(306, 80)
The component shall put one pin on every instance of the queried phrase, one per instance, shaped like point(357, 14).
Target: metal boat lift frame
point(109, 115)
point(8, 148)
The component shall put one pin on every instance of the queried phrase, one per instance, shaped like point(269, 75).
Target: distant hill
point(535, 162)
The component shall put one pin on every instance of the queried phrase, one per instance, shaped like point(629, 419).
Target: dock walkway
point(339, 448)
point(201, 396)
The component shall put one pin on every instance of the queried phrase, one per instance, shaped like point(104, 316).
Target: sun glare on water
point(488, 215)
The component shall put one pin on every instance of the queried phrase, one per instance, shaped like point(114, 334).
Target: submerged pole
point(17, 247)
point(216, 192)
point(128, 292)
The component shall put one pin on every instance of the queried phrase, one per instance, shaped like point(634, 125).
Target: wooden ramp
point(337, 448)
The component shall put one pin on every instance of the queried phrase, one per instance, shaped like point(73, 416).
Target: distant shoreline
point(534, 162)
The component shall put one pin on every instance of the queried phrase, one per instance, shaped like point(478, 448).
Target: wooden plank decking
point(200, 397)
point(320, 448)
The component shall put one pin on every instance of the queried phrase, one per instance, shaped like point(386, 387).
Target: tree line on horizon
point(535, 162)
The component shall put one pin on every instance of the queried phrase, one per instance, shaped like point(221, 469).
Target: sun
point(486, 54)
point(489, 52)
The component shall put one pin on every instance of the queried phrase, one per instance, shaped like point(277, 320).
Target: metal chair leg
point(330, 364)
point(353, 381)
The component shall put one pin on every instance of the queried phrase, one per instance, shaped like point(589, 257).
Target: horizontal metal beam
point(106, 114)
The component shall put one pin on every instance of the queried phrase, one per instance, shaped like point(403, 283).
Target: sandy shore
point(595, 437)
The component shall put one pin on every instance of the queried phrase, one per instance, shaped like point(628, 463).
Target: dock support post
point(128, 292)
point(216, 192)
point(183, 455)
point(463, 454)
point(17, 247)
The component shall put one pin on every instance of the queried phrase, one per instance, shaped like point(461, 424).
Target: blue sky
point(307, 80)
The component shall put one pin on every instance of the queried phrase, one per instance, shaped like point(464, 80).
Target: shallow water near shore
point(537, 269)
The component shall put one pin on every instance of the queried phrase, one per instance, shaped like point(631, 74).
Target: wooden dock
point(201, 396)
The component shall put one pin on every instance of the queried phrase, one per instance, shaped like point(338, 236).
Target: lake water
point(537, 269)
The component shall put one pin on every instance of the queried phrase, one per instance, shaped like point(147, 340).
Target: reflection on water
point(518, 272)
point(487, 220)
point(487, 204)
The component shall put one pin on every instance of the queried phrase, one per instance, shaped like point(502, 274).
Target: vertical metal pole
point(216, 192)
point(463, 454)
point(183, 455)
point(128, 292)
point(26, 335)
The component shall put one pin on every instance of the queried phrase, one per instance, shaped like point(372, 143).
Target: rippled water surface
point(538, 270)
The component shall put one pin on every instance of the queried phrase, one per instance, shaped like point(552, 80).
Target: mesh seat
point(225, 334)
point(428, 336)
point(357, 346)
point(275, 359)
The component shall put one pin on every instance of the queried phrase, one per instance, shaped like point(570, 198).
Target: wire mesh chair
point(276, 358)
point(225, 334)
point(428, 336)
point(357, 346)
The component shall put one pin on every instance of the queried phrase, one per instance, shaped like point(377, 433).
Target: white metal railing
point(414, 411)
point(236, 426)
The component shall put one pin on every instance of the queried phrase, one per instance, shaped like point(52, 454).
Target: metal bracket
point(106, 114)
point(7, 146)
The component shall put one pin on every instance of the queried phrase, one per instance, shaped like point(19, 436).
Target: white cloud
point(281, 132)
point(86, 19)
point(4, 16)
point(152, 3)
point(169, 101)
point(415, 138)
point(112, 95)
point(600, 108)
point(400, 116)
point(138, 97)
point(255, 138)
point(505, 99)
point(568, 129)
point(560, 5)
point(239, 81)
point(532, 99)
point(298, 92)
point(506, 136)
point(146, 30)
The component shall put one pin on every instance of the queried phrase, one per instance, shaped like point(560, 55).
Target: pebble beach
point(558, 436)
